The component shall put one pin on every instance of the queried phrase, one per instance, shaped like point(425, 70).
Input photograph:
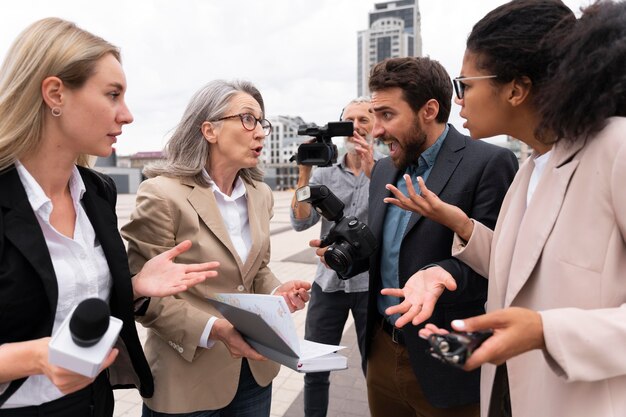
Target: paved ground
point(291, 259)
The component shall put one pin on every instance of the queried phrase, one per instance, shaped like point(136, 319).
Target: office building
point(279, 147)
point(394, 31)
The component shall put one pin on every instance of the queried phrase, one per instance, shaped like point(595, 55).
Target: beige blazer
point(565, 256)
point(168, 211)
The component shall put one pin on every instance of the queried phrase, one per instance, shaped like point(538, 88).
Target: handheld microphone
point(89, 322)
point(85, 338)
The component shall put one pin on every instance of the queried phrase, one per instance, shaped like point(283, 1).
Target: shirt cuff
point(204, 338)
point(140, 305)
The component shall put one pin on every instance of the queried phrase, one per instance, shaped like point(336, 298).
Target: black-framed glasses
point(249, 122)
point(459, 86)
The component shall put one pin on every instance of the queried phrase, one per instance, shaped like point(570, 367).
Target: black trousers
point(500, 404)
point(325, 319)
point(96, 400)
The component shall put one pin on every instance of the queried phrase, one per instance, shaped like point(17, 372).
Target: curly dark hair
point(419, 78)
point(517, 39)
point(589, 84)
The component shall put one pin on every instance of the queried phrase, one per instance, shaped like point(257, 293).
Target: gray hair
point(358, 100)
point(187, 151)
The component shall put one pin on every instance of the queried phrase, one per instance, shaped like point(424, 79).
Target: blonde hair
point(48, 47)
point(187, 152)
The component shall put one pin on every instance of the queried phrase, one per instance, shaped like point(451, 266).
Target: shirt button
point(83, 256)
point(240, 288)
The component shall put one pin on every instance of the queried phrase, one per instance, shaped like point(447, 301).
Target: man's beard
point(350, 146)
point(413, 147)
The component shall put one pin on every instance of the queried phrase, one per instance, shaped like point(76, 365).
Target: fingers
point(394, 292)
point(110, 359)
point(472, 324)
point(295, 294)
point(207, 266)
point(192, 278)
point(423, 189)
point(426, 311)
point(67, 381)
point(401, 308)
point(294, 302)
point(254, 355)
point(315, 243)
point(409, 186)
point(431, 329)
point(177, 250)
point(409, 315)
point(303, 295)
point(449, 282)
point(399, 195)
point(238, 347)
point(302, 286)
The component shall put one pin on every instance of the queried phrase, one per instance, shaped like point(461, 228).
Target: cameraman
point(333, 298)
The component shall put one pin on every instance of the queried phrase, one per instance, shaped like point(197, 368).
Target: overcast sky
point(301, 54)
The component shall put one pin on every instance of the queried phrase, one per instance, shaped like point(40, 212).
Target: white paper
point(272, 308)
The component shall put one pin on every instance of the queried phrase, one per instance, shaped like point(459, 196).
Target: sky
point(301, 54)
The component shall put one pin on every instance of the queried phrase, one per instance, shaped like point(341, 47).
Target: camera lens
point(338, 257)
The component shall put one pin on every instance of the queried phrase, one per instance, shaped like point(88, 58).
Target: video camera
point(349, 239)
point(322, 152)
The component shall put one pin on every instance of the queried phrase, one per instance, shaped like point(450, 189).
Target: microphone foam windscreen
point(89, 322)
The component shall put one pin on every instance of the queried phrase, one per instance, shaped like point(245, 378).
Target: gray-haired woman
point(209, 190)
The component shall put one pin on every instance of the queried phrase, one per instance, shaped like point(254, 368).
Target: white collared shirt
point(234, 210)
point(540, 164)
point(79, 265)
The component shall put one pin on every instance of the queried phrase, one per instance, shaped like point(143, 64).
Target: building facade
point(394, 31)
point(279, 147)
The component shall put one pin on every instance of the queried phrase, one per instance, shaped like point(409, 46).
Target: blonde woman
point(61, 100)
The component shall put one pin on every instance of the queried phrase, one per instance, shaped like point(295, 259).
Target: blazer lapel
point(22, 229)
point(540, 216)
point(104, 222)
point(203, 201)
point(507, 229)
point(448, 159)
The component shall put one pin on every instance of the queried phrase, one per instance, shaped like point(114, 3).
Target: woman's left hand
point(515, 331)
point(295, 293)
point(161, 277)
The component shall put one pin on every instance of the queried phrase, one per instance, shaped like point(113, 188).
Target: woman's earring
point(56, 111)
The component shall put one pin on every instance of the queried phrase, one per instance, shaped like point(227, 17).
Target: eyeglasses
point(249, 122)
point(459, 86)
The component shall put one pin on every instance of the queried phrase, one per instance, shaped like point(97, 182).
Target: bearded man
point(411, 100)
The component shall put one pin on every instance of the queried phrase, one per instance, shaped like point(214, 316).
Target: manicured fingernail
point(422, 336)
point(458, 324)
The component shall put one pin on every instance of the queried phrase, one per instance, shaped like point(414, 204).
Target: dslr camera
point(348, 239)
point(322, 152)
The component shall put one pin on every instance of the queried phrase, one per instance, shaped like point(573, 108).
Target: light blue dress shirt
point(395, 224)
